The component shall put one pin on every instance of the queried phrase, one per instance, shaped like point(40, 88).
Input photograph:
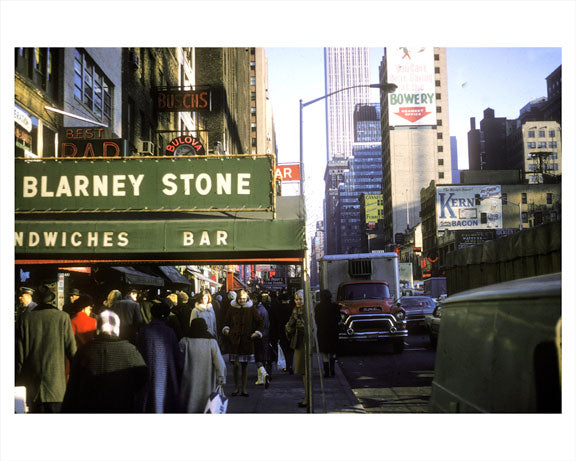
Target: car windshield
point(366, 291)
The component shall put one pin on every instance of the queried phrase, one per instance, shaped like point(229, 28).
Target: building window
point(436, 57)
point(524, 197)
point(253, 110)
point(524, 217)
point(553, 144)
point(541, 134)
point(552, 134)
point(440, 148)
point(440, 161)
point(541, 144)
point(92, 87)
point(437, 83)
point(440, 175)
point(504, 199)
point(531, 134)
point(438, 109)
point(439, 135)
point(531, 145)
point(549, 199)
point(436, 70)
point(438, 122)
point(438, 95)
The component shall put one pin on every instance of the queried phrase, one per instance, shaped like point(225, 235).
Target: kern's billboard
point(468, 207)
point(414, 101)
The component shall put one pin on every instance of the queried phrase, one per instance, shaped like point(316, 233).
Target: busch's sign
point(468, 207)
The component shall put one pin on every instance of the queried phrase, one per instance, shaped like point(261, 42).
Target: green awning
point(131, 276)
point(174, 276)
point(135, 236)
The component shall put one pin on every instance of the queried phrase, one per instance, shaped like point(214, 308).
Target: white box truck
point(366, 286)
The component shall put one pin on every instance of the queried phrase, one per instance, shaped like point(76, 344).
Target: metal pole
point(301, 151)
point(520, 216)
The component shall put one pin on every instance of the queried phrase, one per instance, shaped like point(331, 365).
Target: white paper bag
point(217, 402)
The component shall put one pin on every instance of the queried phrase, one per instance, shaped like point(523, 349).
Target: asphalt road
point(385, 382)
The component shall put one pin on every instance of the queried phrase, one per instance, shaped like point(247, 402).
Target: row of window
point(542, 133)
point(549, 167)
point(524, 198)
point(551, 144)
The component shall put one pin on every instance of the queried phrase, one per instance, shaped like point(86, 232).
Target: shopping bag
point(281, 360)
point(217, 402)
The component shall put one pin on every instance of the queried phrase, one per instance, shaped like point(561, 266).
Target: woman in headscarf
point(204, 367)
point(107, 374)
point(241, 326)
point(295, 331)
point(158, 344)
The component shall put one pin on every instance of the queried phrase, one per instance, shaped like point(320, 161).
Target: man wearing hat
point(73, 296)
point(44, 339)
point(25, 302)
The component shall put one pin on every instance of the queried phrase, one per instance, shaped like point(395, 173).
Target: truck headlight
point(399, 315)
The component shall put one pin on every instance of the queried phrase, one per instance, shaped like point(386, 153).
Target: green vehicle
point(499, 349)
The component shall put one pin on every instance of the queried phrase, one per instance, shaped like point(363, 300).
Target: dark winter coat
point(43, 342)
point(107, 375)
point(327, 316)
point(159, 347)
point(295, 328)
point(262, 347)
point(130, 318)
point(241, 322)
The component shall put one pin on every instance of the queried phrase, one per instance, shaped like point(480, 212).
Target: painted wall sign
point(161, 184)
point(185, 145)
point(92, 148)
point(288, 172)
point(185, 100)
point(155, 236)
point(468, 207)
point(83, 132)
point(414, 101)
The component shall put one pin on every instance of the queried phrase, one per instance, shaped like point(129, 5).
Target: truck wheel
point(398, 346)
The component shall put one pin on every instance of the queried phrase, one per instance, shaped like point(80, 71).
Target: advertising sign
point(156, 236)
point(288, 172)
point(373, 206)
point(92, 148)
point(414, 101)
point(200, 100)
point(468, 207)
point(160, 184)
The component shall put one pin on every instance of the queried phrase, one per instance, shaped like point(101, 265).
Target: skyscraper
point(343, 68)
point(415, 132)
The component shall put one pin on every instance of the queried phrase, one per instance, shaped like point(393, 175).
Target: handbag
point(217, 402)
point(281, 360)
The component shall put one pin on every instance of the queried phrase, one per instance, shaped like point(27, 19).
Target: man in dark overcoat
point(130, 315)
point(44, 340)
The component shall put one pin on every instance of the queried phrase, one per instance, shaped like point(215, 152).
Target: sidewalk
point(286, 391)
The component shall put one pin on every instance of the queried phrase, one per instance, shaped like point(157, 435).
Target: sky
point(312, 25)
point(502, 78)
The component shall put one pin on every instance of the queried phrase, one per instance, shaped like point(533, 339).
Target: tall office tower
point(363, 177)
point(475, 146)
point(454, 163)
point(333, 178)
point(261, 122)
point(343, 68)
point(316, 253)
point(415, 132)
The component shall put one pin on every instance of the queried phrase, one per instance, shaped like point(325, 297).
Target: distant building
point(415, 132)
point(333, 178)
point(454, 159)
point(316, 253)
point(343, 68)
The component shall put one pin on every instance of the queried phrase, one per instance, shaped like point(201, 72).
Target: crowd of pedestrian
point(152, 353)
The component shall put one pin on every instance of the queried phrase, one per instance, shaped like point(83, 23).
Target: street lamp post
point(519, 212)
point(388, 88)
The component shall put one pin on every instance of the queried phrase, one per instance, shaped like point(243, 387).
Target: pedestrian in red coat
point(83, 325)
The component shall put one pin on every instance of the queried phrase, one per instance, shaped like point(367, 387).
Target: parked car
point(417, 308)
point(432, 323)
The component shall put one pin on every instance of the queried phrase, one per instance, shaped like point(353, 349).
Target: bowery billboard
point(414, 101)
point(161, 184)
point(468, 207)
